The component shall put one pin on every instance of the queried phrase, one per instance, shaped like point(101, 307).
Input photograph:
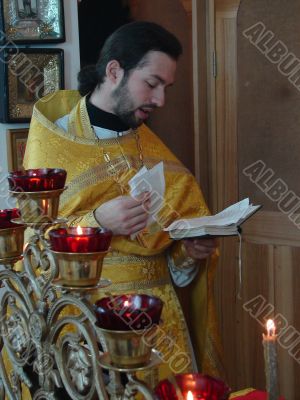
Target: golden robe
point(98, 171)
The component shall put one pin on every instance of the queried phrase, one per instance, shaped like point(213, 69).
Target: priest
point(98, 134)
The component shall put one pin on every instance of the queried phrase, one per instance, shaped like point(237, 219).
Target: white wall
point(72, 66)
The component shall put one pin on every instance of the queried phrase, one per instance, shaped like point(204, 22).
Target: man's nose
point(158, 97)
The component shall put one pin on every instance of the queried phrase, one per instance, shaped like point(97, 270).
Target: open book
point(225, 223)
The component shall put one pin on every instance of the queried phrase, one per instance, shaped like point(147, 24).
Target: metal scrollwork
point(16, 384)
point(37, 326)
point(45, 346)
point(79, 366)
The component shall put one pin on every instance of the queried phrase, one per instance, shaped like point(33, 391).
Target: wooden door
point(253, 135)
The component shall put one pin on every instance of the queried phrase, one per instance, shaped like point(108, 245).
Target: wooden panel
point(174, 122)
point(270, 240)
point(269, 118)
point(226, 139)
point(241, 332)
point(200, 95)
point(273, 228)
point(228, 7)
point(284, 271)
point(187, 5)
point(211, 101)
point(224, 182)
point(257, 281)
point(269, 274)
point(225, 296)
point(293, 287)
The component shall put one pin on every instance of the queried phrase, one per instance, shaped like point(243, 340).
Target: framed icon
point(26, 76)
point(32, 21)
point(16, 142)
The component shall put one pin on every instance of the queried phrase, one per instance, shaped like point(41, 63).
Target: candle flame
point(126, 303)
point(79, 230)
point(190, 396)
point(270, 327)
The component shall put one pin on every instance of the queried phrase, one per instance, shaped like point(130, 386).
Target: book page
point(231, 215)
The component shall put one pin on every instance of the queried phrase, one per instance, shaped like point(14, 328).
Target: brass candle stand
point(38, 207)
point(11, 244)
point(49, 336)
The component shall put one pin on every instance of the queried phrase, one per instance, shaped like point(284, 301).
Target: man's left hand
point(199, 249)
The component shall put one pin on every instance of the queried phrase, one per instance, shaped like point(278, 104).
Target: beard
point(124, 107)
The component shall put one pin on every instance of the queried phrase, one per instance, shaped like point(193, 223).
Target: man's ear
point(114, 72)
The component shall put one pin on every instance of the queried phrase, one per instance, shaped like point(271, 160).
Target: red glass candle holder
point(80, 240)
point(6, 216)
point(37, 180)
point(200, 386)
point(128, 312)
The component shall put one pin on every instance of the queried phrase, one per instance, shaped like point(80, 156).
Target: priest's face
point(144, 88)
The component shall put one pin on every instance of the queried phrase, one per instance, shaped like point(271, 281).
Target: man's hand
point(124, 215)
point(199, 249)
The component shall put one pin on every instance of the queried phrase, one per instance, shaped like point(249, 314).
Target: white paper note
point(152, 181)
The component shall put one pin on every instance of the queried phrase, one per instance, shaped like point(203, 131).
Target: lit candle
point(37, 180)
point(190, 396)
point(270, 355)
point(128, 312)
point(80, 240)
point(192, 386)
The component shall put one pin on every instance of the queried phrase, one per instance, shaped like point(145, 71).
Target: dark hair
point(128, 45)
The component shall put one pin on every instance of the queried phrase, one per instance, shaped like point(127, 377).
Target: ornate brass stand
point(49, 340)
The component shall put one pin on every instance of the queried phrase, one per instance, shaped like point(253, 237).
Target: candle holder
point(133, 385)
point(129, 325)
point(12, 242)
point(37, 192)
point(49, 339)
point(38, 207)
point(80, 240)
point(78, 269)
point(11, 236)
point(7, 216)
point(37, 180)
point(130, 349)
point(192, 386)
point(128, 312)
point(79, 254)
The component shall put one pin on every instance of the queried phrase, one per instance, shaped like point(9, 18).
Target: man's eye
point(151, 85)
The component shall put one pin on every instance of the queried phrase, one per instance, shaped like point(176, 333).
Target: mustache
point(149, 106)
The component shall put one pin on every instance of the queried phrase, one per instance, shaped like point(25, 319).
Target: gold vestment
point(98, 171)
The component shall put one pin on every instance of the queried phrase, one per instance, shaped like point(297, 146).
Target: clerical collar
point(105, 119)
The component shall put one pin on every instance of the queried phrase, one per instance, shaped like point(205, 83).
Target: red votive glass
point(193, 387)
point(128, 312)
point(37, 180)
point(6, 216)
point(80, 240)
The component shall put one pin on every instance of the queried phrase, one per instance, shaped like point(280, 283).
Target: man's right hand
point(124, 215)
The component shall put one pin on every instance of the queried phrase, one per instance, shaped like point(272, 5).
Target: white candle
point(270, 354)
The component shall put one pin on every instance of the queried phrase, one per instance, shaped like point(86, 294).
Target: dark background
point(97, 20)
